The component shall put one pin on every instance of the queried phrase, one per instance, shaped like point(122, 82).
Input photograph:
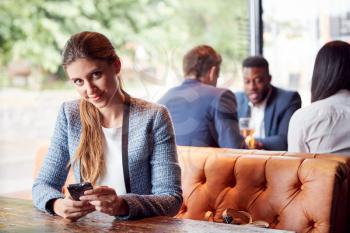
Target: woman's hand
point(72, 210)
point(106, 200)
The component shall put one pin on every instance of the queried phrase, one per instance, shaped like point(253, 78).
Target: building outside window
point(294, 31)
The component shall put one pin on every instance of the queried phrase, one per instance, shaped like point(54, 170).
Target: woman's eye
point(96, 74)
point(78, 82)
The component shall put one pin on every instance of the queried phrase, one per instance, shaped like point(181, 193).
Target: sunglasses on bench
point(237, 217)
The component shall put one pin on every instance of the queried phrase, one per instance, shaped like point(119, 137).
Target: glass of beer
point(247, 131)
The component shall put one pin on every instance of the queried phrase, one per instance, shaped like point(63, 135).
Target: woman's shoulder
point(70, 110)
point(313, 113)
point(142, 111)
point(71, 106)
point(305, 112)
point(140, 105)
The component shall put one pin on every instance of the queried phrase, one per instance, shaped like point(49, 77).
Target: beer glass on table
point(247, 131)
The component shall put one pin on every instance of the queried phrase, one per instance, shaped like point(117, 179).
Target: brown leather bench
point(291, 193)
point(340, 158)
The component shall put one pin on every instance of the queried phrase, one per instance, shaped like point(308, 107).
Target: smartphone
point(77, 190)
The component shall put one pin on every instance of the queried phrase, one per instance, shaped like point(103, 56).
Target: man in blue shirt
point(269, 108)
point(203, 115)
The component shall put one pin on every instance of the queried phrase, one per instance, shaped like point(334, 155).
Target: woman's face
point(95, 81)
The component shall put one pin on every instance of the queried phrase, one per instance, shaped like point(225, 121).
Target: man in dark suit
point(203, 115)
point(269, 108)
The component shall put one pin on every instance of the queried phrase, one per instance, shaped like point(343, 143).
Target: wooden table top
point(18, 215)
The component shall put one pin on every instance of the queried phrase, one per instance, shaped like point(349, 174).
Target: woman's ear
point(117, 66)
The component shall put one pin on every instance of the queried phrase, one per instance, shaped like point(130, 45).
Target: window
point(294, 31)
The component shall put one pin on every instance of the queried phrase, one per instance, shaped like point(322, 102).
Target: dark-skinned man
point(268, 107)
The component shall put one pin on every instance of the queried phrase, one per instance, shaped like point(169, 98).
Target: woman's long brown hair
point(90, 152)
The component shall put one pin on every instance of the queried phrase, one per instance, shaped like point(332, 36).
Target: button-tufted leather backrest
point(337, 157)
point(292, 193)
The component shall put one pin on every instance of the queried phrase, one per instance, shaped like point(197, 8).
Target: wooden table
point(18, 216)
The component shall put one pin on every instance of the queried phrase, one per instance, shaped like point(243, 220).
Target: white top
point(257, 114)
point(322, 127)
point(114, 176)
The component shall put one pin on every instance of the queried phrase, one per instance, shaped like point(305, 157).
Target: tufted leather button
point(298, 185)
point(232, 183)
point(204, 179)
point(276, 220)
point(312, 224)
point(301, 187)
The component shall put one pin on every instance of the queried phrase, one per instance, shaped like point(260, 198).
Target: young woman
point(323, 127)
point(124, 146)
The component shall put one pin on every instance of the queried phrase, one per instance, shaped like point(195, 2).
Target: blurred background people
point(203, 115)
point(268, 108)
point(323, 126)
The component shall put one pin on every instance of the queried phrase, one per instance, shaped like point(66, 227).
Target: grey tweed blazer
point(151, 170)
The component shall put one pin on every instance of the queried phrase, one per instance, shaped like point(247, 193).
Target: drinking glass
point(247, 131)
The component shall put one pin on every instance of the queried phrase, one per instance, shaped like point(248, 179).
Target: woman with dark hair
point(123, 145)
point(323, 127)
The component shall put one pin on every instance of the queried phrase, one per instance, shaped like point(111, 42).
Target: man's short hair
point(199, 60)
point(256, 61)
